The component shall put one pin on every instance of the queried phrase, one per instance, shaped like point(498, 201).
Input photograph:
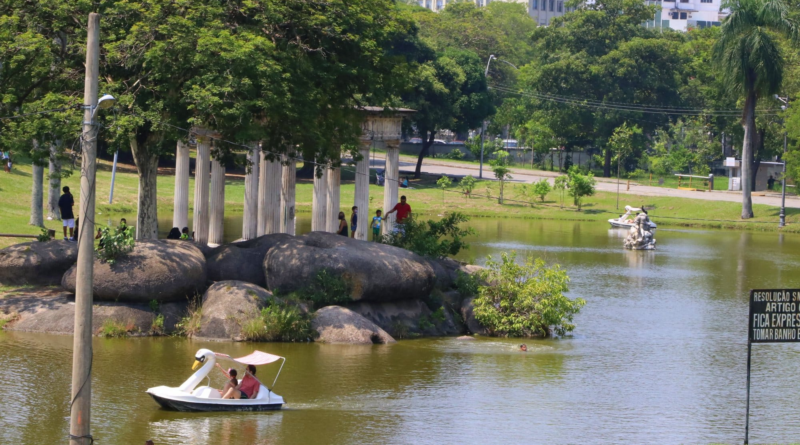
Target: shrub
point(114, 243)
point(190, 323)
point(455, 154)
point(466, 284)
point(525, 300)
point(113, 329)
point(467, 185)
point(44, 236)
point(580, 185)
point(158, 325)
point(444, 182)
point(541, 189)
point(278, 322)
point(328, 289)
point(435, 239)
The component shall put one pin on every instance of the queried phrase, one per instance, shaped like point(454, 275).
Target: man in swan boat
point(247, 388)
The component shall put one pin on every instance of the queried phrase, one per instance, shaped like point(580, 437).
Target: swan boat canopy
point(190, 397)
point(626, 221)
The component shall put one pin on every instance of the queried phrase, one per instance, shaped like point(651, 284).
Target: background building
point(540, 10)
point(683, 15)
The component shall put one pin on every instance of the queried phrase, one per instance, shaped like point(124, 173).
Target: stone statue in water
point(640, 237)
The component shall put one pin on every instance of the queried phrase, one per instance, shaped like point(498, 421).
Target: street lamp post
point(486, 123)
point(782, 222)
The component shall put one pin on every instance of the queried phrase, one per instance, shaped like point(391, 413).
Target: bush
point(456, 154)
point(435, 239)
point(278, 322)
point(467, 184)
point(328, 289)
point(541, 189)
point(113, 329)
point(525, 300)
point(44, 236)
point(190, 323)
point(114, 243)
point(580, 185)
point(466, 284)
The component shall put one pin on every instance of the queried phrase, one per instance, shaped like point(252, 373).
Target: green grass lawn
point(424, 197)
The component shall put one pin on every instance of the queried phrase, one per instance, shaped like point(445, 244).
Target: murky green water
point(658, 357)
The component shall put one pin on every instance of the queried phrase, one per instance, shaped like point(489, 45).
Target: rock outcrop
point(336, 324)
point(154, 270)
point(243, 261)
point(226, 305)
point(468, 314)
point(53, 312)
point(374, 272)
point(36, 263)
point(406, 318)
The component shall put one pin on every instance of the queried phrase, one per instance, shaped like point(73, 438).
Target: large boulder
point(243, 261)
point(407, 318)
point(374, 271)
point(468, 314)
point(53, 312)
point(336, 324)
point(226, 305)
point(37, 263)
point(154, 270)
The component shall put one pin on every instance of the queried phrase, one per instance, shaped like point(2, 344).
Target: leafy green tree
point(752, 65)
point(501, 171)
point(467, 184)
point(561, 183)
point(541, 188)
point(444, 182)
point(525, 300)
point(434, 239)
point(579, 186)
point(622, 142)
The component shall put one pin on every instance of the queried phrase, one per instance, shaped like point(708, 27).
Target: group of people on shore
point(403, 210)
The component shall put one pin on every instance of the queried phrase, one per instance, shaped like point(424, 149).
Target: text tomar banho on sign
point(774, 315)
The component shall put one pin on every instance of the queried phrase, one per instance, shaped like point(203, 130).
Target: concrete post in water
point(252, 185)
point(362, 191)
point(180, 209)
point(391, 184)
point(319, 203)
point(201, 176)
point(269, 197)
point(80, 405)
point(333, 204)
point(288, 181)
point(217, 215)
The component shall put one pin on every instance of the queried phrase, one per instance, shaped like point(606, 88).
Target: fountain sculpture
point(640, 237)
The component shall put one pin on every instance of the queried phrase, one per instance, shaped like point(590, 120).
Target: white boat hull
point(627, 225)
point(205, 399)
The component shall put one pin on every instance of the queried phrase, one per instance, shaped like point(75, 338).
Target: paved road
point(441, 167)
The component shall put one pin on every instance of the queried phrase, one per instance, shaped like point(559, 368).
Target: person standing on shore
point(353, 222)
point(65, 204)
point(342, 225)
point(403, 211)
point(376, 226)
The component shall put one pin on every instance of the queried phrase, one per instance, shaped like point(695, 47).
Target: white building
point(540, 10)
point(683, 15)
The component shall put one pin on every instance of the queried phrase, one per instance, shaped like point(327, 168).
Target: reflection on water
point(658, 357)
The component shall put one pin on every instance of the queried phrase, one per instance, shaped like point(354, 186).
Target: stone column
point(319, 203)
point(252, 183)
point(362, 191)
point(288, 182)
point(201, 175)
point(333, 202)
point(391, 183)
point(217, 216)
point(269, 197)
point(180, 209)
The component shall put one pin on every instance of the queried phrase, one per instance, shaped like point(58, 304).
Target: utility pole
point(80, 407)
point(782, 222)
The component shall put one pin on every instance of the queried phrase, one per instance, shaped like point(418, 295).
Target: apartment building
point(683, 15)
point(540, 10)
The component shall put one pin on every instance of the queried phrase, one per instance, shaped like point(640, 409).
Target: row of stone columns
point(270, 205)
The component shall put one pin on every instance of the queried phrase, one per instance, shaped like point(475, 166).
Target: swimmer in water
point(523, 347)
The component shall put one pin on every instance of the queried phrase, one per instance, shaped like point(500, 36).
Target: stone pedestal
point(201, 177)
point(333, 204)
point(252, 182)
point(288, 182)
point(391, 185)
point(269, 198)
point(319, 204)
point(362, 192)
point(180, 209)
point(217, 214)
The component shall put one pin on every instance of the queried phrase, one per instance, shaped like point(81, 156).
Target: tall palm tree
point(752, 65)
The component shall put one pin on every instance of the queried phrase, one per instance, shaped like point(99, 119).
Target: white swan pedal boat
point(189, 397)
point(626, 221)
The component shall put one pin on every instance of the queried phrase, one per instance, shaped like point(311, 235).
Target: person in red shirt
point(403, 210)
point(247, 388)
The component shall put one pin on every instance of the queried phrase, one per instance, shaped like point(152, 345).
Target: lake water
point(658, 356)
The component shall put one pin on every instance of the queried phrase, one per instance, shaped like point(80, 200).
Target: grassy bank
point(424, 197)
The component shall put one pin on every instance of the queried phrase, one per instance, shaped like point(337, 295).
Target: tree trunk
point(147, 166)
point(755, 157)
point(502, 184)
point(53, 212)
point(37, 218)
point(749, 124)
point(607, 164)
point(426, 147)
